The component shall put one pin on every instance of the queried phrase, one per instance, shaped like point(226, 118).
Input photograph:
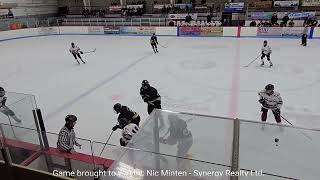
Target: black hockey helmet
point(265, 42)
point(154, 34)
point(72, 44)
point(117, 107)
point(269, 87)
point(145, 83)
point(2, 92)
point(71, 118)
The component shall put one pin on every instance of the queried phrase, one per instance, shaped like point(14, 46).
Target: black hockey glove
point(262, 101)
point(115, 127)
point(277, 111)
point(81, 52)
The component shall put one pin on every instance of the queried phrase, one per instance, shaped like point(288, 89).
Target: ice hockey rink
point(196, 75)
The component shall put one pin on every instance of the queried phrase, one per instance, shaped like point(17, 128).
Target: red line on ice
point(233, 101)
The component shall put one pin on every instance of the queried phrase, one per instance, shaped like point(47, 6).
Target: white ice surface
point(192, 75)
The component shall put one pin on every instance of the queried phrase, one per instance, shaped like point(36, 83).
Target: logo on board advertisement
point(111, 30)
point(95, 30)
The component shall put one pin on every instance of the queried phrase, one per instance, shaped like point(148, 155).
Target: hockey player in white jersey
point(272, 100)
point(4, 109)
point(265, 52)
point(75, 51)
point(127, 133)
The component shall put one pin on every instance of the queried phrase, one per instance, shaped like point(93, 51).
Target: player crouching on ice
point(154, 42)
point(4, 109)
point(75, 51)
point(125, 118)
point(270, 100)
point(266, 51)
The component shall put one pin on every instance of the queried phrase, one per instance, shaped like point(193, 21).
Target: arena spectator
point(188, 19)
point(10, 14)
point(285, 19)
point(253, 23)
point(209, 18)
point(274, 18)
point(260, 24)
point(291, 23)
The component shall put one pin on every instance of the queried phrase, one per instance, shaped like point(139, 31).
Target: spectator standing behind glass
point(291, 23)
point(10, 14)
point(188, 19)
point(274, 18)
point(253, 23)
point(67, 136)
point(209, 18)
point(285, 19)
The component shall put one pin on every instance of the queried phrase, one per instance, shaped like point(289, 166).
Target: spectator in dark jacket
point(285, 19)
point(253, 23)
point(188, 18)
point(209, 18)
point(291, 23)
point(274, 18)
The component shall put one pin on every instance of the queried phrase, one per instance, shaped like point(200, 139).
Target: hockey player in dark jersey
point(150, 96)
point(178, 134)
point(126, 116)
point(5, 109)
point(154, 42)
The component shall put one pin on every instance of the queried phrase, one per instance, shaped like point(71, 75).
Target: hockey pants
point(265, 114)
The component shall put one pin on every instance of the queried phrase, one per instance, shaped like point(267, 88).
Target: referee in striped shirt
point(67, 136)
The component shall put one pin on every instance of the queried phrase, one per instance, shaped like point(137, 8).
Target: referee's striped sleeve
point(63, 139)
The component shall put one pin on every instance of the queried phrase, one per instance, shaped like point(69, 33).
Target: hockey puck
point(276, 140)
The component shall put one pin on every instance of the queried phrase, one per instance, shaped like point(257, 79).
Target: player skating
point(150, 96)
point(75, 51)
point(126, 116)
point(4, 109)
point(154, 42)
point(304, 36)
point(272, 100)
point(265, 52)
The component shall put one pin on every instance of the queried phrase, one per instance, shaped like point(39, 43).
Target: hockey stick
point(294, 126)
point(106, 143)
point(252, 61)
point(94, 50)
point(290, 123)
point(162, 45)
